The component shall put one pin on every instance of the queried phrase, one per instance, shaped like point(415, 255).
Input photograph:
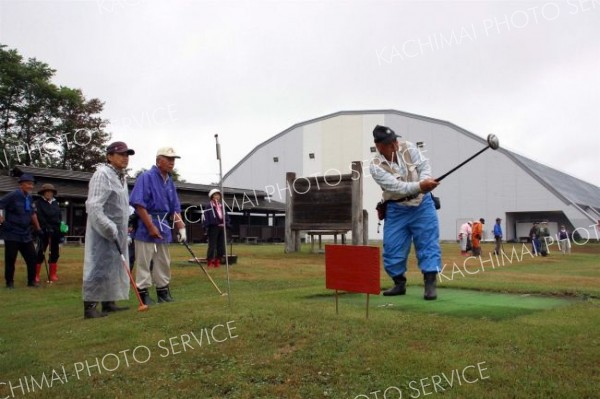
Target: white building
point(496, 184)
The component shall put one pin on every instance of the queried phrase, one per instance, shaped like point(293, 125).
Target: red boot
point(38, 268)
point(53, 270)
point(217, 263)
point(209, 263)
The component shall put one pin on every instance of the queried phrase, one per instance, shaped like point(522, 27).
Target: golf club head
point(143, 308)
point(493, 141)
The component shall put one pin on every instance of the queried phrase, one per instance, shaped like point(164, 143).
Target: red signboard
point(352, 268)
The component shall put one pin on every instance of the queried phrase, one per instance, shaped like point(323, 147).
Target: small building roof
point(74, 184)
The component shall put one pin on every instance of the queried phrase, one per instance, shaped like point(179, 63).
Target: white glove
point(129, 240)
point(182, 236)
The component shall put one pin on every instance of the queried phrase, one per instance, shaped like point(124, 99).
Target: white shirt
point(396, 183)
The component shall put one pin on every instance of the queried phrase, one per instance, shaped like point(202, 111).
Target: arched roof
point(569, 189)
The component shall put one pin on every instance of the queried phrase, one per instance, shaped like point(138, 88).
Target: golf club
point(493, 143)
point(40, 243)
point(203, 269)
point(218, 147)
point(142, 307)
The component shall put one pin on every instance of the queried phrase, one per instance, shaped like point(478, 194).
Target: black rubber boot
point(145, 296)
point(399, 287)
point(163, 294)
point(90, 311)
point(430, 286)
point(111, 306)
point(10, 284)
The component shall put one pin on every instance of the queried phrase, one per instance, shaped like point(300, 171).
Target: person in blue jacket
point(154, 197)
point(17, 218)
point(498, 236)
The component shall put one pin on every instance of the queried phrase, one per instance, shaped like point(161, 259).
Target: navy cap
point(384, 135)
point(119, 147)
point(26, 177)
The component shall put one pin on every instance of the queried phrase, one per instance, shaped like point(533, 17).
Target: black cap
point(384, 135)
point(119, 147)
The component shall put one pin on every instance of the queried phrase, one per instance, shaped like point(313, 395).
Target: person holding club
point(157, 205)
point(107, 207)
point(404, 175)
point(215, 221)
point(17, 218)
point(49, 216)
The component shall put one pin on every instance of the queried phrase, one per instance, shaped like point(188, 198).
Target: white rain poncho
point(107, 207)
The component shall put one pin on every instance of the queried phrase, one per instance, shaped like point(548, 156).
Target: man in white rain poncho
point(104, 277)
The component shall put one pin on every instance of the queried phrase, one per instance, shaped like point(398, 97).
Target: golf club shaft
point(224, 217)
point(126, 266)
point(40, 249)
point(461, 164)
point(202, 267)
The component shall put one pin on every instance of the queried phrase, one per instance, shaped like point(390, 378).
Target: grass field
point(529, 328)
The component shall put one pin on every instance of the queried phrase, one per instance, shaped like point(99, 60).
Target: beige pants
point(158, 254)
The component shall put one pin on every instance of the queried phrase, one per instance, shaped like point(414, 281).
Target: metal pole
point(218, 147)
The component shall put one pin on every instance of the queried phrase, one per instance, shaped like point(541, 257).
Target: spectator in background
point(464, 236)
point(534, 237)
point(543, 233)
point(477, 236)
point(215, 222)
point(17, 219)
point(49, 216)
point(563, 240)
point(498, 236)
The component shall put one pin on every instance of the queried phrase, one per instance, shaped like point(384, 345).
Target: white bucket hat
point(213, 192)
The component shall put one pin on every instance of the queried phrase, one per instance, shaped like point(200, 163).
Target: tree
point(44, 125)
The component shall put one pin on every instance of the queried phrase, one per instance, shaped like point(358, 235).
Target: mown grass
point(288, 341)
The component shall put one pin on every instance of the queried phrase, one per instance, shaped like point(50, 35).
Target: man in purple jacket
point(155, 200)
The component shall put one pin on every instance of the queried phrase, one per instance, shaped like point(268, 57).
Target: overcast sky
point(177, 72)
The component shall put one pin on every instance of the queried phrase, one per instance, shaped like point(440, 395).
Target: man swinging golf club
point(404, 175)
